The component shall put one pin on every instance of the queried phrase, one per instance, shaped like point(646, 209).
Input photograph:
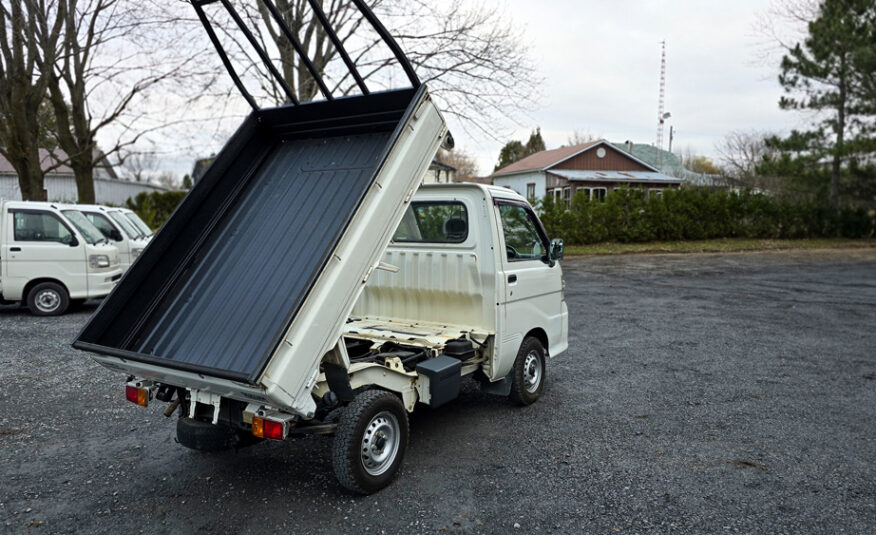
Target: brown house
point(594, 168)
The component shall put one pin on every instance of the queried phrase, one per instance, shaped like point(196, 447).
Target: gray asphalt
point(701, 394)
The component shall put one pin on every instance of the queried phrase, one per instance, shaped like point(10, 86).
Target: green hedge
point(155, 207)
point(697, 214)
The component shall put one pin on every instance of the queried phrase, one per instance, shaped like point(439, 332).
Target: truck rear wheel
point(370, 441)
point(528, 374)
point(48, 299)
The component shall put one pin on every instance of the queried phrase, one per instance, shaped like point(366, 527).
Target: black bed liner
point(219, 285)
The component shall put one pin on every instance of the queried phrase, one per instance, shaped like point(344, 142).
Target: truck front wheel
point(529, 372)
point(370, 441)
point(48, 299)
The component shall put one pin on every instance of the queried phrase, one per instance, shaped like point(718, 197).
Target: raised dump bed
point(219, 287)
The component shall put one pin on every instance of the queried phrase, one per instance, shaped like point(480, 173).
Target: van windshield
point(128, 227)
point(135, 219)
point(84, 226)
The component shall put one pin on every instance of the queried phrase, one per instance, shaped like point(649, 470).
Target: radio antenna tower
point(661, 114)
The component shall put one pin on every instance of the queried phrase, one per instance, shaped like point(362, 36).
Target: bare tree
point(22, 92)
point(741, 153)
point(466, 166)
point(472, 56)
point(140, 166)
point(98, 69)
point(579, 138)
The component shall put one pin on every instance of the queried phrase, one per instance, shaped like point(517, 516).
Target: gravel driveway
point(701, 394)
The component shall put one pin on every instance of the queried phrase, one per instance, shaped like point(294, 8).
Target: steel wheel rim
point(532, 372)
point(48, 300)
point(380, 443)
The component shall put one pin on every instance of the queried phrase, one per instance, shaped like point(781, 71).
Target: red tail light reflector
point(140, 396)
point(267, 429)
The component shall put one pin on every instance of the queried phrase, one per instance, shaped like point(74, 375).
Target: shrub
point(155, 207)
point(697, 214)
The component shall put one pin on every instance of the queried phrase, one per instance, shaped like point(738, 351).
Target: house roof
point(46, 160)
point(633, 177)
point(546, 159)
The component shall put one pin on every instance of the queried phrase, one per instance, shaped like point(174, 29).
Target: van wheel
point(528, 373)
point(48, 299)
point(370, 441)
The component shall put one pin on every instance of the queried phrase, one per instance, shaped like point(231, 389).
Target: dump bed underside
point(234, 264)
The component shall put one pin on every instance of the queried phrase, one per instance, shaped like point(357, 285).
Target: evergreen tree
point(535, 143)
point(510, 153)
point(514, 151)
point(832, 72)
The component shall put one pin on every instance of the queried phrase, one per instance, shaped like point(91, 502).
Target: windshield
point(102, 223)
point(84, 226)
point(139, 223)
point(128, 227)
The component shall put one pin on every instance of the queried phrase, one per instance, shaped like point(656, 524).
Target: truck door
point(533, 288)
point(41, 246)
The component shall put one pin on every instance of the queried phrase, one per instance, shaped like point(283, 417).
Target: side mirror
point(116, 235)
point(73, 242)
point(557, 249)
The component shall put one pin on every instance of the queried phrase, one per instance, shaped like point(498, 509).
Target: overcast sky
point(600, 61)
point(601, 65)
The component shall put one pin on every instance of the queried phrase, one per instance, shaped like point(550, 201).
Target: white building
point(60, 185)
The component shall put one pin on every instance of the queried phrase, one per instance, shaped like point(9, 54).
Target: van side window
point(522, 240)
point(101, 222)
point(32, 226)
point(433, 222)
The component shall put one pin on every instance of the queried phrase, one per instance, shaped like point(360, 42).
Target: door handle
point(512, 278)
point(15, 249)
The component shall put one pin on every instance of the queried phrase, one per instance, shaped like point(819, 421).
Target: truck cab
point(51, 256)
point(119, 229)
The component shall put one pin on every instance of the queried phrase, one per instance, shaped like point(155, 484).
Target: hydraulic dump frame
point(220, 284)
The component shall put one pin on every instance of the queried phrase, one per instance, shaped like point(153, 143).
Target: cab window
point(522, 239)
point(433, 222)
point(40, 226)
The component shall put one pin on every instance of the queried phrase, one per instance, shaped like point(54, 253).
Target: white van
point(138, 223)
point(51, 256)
point(116, 226)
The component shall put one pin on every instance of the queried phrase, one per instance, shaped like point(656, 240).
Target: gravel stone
point(719, 393)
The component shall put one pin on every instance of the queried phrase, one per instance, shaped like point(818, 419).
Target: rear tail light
point(137, 395)
point(264, 428)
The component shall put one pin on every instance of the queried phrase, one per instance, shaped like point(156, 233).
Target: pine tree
point(832, 72)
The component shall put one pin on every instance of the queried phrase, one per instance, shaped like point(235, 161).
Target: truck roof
point(492, 191)
point(33, 204)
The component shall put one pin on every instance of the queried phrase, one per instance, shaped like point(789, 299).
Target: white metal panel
point(62, 188)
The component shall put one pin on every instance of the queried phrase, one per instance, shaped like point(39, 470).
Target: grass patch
point(718, 246)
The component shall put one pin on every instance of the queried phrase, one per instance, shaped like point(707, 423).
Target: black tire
point(529, 372)
point(48, 299)
point(206, 437)
point(362, 463)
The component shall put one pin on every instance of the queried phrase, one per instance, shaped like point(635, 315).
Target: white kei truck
point(117, 226)
point(51, 257)
point(308, 285)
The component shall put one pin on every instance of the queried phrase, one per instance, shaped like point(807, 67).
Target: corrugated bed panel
point(262, 257)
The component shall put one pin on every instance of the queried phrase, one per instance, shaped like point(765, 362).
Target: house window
point(656, 193)
point(567, 196)
point(598, 194)
point(530, 191)
point(558, 194)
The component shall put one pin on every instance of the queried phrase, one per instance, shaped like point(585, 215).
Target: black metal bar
point(221, 51)
point(390, 42)
point(298, 48)
point(260, 51)
point(320, 14)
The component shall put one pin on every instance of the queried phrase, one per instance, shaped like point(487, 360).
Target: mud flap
point(499, 388)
